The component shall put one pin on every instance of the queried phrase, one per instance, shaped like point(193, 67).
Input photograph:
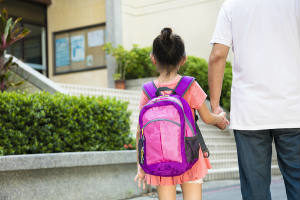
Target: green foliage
point(140, 65)
point(117, 76)
point(45, 123)
point(196, 67)
point(121, 56)
point(1, 151)
point(132, 64)
point(226, 88)
point(10, 32)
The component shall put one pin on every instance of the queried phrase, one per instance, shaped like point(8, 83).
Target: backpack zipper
point(185, 117)
point(161, 119)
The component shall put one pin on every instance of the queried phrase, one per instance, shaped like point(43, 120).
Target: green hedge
point(226, 88)
point(1, 151)
point(140, 66)
point(45, 123)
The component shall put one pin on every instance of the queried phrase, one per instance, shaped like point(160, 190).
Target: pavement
point(228, 189)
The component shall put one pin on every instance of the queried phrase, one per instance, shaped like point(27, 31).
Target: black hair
point(168, 49)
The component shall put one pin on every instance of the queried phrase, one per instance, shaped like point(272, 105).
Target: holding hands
point(222, 117)
point(216, 118)
point(223, 121)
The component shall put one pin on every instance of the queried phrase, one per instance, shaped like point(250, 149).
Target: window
point(79, 49)
point(33, 48)
point(30, 49)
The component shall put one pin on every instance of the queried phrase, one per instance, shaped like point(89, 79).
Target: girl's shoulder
point(195, 86)
point(195, 95)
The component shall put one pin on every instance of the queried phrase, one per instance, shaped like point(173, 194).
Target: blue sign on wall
point(62, 54)
point(77, 47)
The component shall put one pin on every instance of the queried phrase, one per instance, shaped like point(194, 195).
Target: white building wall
point(193, 20)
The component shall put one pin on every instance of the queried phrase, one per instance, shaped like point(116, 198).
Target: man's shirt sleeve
point(223, 30)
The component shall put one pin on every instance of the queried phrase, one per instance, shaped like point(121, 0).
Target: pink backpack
point(170, 139)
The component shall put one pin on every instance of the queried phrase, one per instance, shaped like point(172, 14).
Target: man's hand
point(217, 109)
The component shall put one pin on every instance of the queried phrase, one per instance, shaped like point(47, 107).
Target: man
point(265, 95)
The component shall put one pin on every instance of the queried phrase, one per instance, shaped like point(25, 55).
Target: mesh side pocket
point(141, 151)
point(191, 148)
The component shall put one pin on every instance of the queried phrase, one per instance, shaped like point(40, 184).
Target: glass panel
point(32, 45)
point(16, 50)
point(32, 51)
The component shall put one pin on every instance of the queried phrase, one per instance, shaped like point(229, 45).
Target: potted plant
point(119, 83)
point(10, 33)
point(120, 54)
point(119, 76)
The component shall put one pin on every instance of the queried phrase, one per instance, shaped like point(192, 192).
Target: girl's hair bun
point(168, 49)
point(166, 34)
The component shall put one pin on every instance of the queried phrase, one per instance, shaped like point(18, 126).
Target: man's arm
point(216, 67)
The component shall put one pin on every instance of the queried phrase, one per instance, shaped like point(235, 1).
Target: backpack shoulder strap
point(183, 85)
point(150, 89)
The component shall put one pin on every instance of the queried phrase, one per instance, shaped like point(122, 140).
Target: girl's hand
point(222, 121)
point(140, 177)
point(217, 118)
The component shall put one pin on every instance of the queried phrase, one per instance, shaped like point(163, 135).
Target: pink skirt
point(198, 171)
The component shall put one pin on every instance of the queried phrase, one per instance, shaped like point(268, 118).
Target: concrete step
point(135, 112)
point(223, 155)
point(221, 146)
point(208, 127)
point(230, 163)
point(226, 155)
point(218, 139)
point(134, 107)
point(222, 164)
point(215, 131)
point(231, 173)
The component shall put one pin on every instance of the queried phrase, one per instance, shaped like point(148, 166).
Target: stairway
point(220, 143)
point(223, 154)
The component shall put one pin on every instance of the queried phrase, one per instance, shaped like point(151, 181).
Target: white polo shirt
point(265, 38)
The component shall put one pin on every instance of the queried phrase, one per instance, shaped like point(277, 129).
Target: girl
point(168, 55)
